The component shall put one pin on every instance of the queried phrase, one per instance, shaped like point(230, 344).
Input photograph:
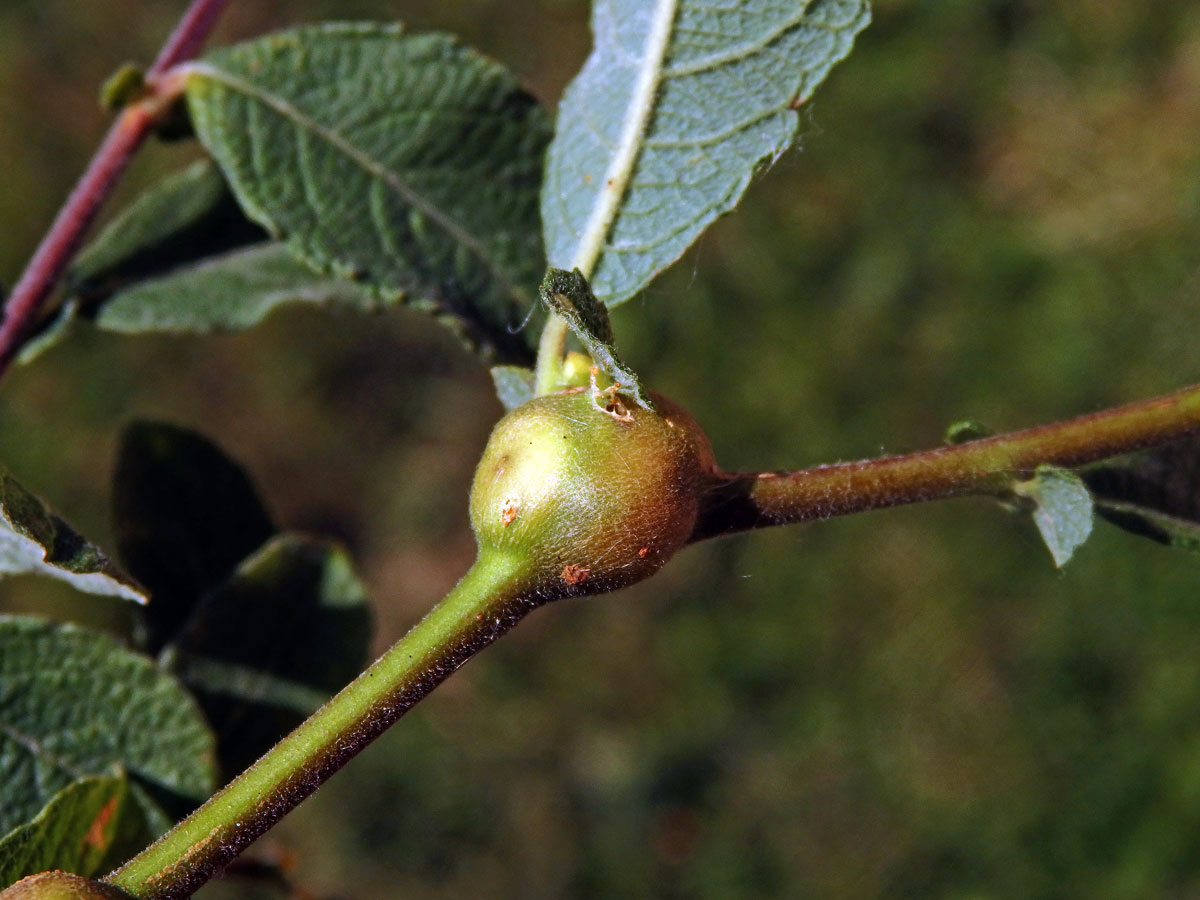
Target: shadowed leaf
point(184, 259)
point(231, 292)
point(1155, 493)
point(185, 517)
point(263, 650)
point(188, 216)
point(73, 832)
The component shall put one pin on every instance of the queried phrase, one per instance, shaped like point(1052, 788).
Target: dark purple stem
point(189, 35)
point(132, 127)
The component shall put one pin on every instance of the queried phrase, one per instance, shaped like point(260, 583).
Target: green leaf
point(514, 385)
point(33, 540)
point(568, 295)
point(407, 163)
point(238, 290)
point(1154, 493)
point(74, 703)
point(679, 105)
point(1062, 509)
point(186, 516)
point(290, 627)
point(73, 832)
point(226, 293)
point(184, 259)
point(188, 216)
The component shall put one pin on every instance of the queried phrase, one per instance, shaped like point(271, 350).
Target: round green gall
point(589, 498)
point(61, 886)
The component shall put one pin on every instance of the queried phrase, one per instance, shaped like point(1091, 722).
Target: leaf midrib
point(629, 144)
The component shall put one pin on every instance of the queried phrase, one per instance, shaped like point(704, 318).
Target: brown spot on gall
point(575, 575)
point(509, 513)
point(643, 553)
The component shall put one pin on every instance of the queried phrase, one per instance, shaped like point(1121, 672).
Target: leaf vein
point(742, 51)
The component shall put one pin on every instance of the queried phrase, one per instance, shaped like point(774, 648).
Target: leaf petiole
point(551, 349)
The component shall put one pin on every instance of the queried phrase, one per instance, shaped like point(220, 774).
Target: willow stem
point(491, 598)
point(745, 501)
point(134, 124)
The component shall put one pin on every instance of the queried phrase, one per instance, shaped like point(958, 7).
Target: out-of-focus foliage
point(1154, 493)
point(995, 215)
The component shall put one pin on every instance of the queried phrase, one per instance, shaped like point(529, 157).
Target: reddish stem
point(127, 133)
point(745, 501)
point(189, 35)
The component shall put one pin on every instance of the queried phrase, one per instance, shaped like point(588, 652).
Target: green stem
point(745, 501)
point(491, 598)
point(551, 349)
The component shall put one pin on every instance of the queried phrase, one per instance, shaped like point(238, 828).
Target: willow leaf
point(188, 216)
point(73, 832)
point(1154, 493)
point(74, 703)
point(678, 106)
point(406, 163)
point(34, 540)
point(1061, 507)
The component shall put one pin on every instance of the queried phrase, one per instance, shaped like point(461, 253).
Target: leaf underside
point(515, 385)
point(1062, 510)
point(679, 105)
point(33, 540)
point(408, 164)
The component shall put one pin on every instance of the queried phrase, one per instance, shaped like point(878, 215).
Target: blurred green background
point(995, 214)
